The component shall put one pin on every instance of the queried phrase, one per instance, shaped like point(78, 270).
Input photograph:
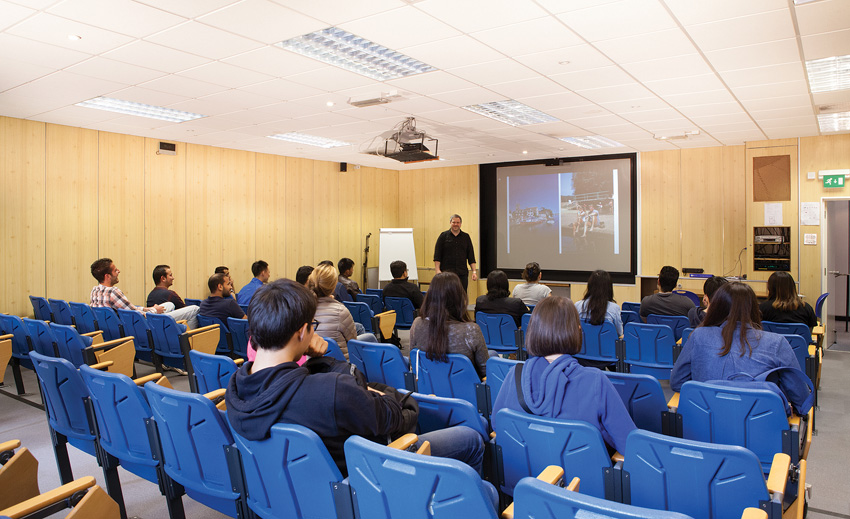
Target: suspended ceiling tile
point(764, 75)
point(460, 51)
point(429, 83)
point(712, 109)
point(156, 57)
point(402, 27)
point(559, 6)
point(783, 89)
point(336, 12)
point(662, 44)
point(536, 86)
point(55, 30)
point(183, 86)
point(778, 103)
point(525, 37)
point(689, 12)
point(668, 68)
point(262, 20)
point(700, 98)
point(469, 96)
point(239, 100)
point(187, 8)
point(331, 78)
point(37, 53)
point(763, 54)
point(744, 30)
point(111, 70)
point(477, 15)
point(224, 74)
point(147, 96)
point(597, 78)
point(18, 73)
point(616, 93)
point(564, 61)
point(559, 101)
point(826, 44)
point(282, 89)
point(122, 16)
point(67, 88)
point(701, 83)
point(823, 16)
point(625, 18)
point(493, 72)
point(10, 14)
point(203, 40)
point(779, 113)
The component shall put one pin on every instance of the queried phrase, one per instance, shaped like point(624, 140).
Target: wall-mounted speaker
point(167, 148)
point(343, 166)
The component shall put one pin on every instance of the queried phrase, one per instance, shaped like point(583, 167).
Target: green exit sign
point(833, 181)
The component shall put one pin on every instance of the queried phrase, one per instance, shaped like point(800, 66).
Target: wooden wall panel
point(237, 186)
point(22, 215)
point(271, 215)
point(702, 203)
point(734, 209)
point(351, 237)
point(371, 210)
point(301, 223)
point(326, 193)
point(205, 196)
point(411, 213)
point(660, 202)
point(71, 182)
point(165, 215)
point(121, 206)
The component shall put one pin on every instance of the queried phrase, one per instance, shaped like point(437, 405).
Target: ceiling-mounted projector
point(404, 143)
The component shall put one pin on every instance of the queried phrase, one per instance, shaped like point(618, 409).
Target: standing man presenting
point(453, 250)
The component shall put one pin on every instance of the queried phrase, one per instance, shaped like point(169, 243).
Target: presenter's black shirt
point(454, 252)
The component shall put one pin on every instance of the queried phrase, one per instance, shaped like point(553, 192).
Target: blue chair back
point(439, 412)
point(107, 320)
point(42, 337)
point(65, 394)
point(135, 324)
point(61, 312)
point(211, 372)
point(193, 435)
point(192, 302)
point(530, 308)
point(224, 339)
point(375, 302)
point(748, 417)
point(631, 307)
point(497, 370)
point(334, 350)
point(12, 324)
point(121, 410)
point(535, 499)
point(403, 310)
point(394, 483)
point(677, 323)
point(239, 334)
point(530, 443)
point(643, 397)
point(290, 474)
point(166, 339)
point(801, 349)
point(699, 479)
point(361, 313)
point(455, 378)
point(375, 292)
point(819, 304)
point(695, 299)
point(788, 329)
point(70, 343)
point(379, 362)
point(526, 318)
point(41, 308)
point(628, 316)
point(84, 317)
point(244, 308)
point(686, 334)
point(498, 330)
point(649, 349)
point(599, 342)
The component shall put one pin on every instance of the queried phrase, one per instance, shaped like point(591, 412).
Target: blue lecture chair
point(192, 302)
point(631, 307)
point(135, 324)
point(649, 349)
point(41, 308)
point(788, 329)
point(108, 321)
point(455, 378)
point(499, 331)
point(81, 349)
point(334, 350)
point(21, 346)
point(375, 302)
point(41, 336)
point(526, 318)
point(239, 335)
point(628, 316)
point(695, 299)
point(404, 311)
point(361, 313)
point(61, 312)
point(497, 370)
point(644, 399)
point(439, 412)
point(381, 362)
point(686, 334)
point(375, 292)
point(225, 341)
point(601, 343)
point(211, 372)
point(677, 323)
point(83, 317)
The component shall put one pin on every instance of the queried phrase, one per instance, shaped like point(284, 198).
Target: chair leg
point(109, 464)
point(60, 451)
point(16, 372)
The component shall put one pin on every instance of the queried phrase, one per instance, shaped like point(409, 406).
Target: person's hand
point(158, 309)
point(474, 275)
point(318, 346)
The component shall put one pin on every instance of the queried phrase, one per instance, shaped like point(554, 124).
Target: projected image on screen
point(575, 216)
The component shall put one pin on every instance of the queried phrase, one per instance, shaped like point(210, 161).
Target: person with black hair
point(323, 394)
point(303, 273)
point(598, 304)
point(497, 300)
point(163, 279)
point(260, 270)
point(401, 287)
point(697, 313)
point(531, 292)
point(783, 305)
point(453, 250)
point(443, 326)
point(665, 301)
point(346, 288)
point(219, 304)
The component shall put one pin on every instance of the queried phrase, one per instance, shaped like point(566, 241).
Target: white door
point(837, 266)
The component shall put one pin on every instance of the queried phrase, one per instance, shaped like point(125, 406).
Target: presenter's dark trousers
point(463, 275)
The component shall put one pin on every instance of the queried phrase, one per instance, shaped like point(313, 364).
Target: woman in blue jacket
point(554, 385)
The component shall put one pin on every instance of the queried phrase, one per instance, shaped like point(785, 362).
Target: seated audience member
point(347, 289)
point(107, 294)
point(443, 326)
point(598, 304)
point(219, 304)
point(697, 313)
point(730, 342)
point(334, 319)
point(162, 293)
point(260, 270)
point(321, 395)
point(666, 302)
point(303, 273)
point(401, 287)
point(553, 383)
point(497, 300)
point(226, 271)
point(783, 305)
point(531, 292)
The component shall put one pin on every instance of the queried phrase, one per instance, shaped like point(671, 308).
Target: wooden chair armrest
point(97, 336)
point(10, 445)
point(141, 381)
point(794, 420)
point(810, 422)
point(7, 337)
point(673, 403)
point(96, 503)
point(551, 474)
point(754, 513)
point(184, 322)
point(386, 322)
point(573, 486)
point(801, 488)
point(617, 457)
point(424, 449)
point(492, 434)
point(239, 361)
point(102, 365)
point(388, 312)
point(215, 395)
point(48, 498)
point(405, 442)
point(778, 474)
point(112, 343)
point(201, 329)
point(817, 330)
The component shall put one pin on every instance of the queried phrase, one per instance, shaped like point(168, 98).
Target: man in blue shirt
point(219, 304)
point(260, 270)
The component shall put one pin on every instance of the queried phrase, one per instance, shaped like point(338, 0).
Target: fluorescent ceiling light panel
point(351, 52)
point(592, 142)
point(140, 110)
point(829, 74)
point(511, 112)
point(310, 140)
point(837, 122)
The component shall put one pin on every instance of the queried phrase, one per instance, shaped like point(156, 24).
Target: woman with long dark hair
point(555, 385)
point(497, 300)
point(783, 305)
point(730, 341)
point(598, 304)
point(531, 292)
point(443, 326)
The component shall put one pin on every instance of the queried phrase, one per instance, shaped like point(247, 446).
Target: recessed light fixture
point(525, 152)
point(592, 142)
point(310, 140)
point(140, 110)
point(801, 2)
point(74, 37)
point(835, 122)
point(351, 52)
point(511, 112)
point(828, 74)
point(564, 62)
point(329, 104)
